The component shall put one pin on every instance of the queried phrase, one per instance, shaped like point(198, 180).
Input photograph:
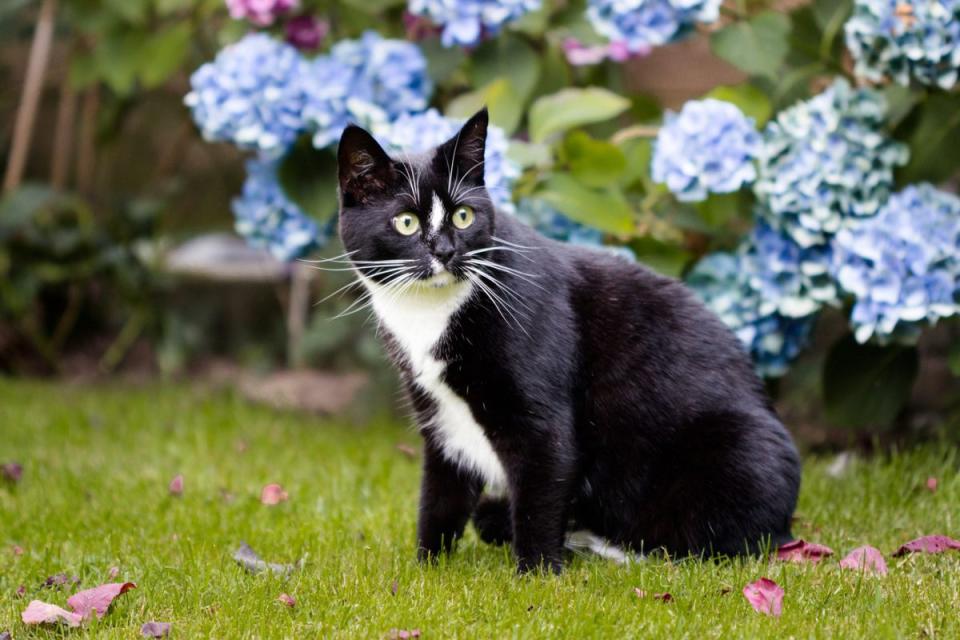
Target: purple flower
point(306, 32)
point(259, 12)
point(579, 54)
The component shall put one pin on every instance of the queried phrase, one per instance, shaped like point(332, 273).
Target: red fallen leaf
point(288, 600)
point(155, 629)
point(176, 486)
point(11, 472)
point(273, 494)
point(662, 597)
point(38, 612)
point(402, 634)
point(932, 484)
point(800, 551)
point(765, 596)
point(21, 591)
point(113, 572)
point(927, 544)
point(17, 550)
point(5, 635)
point(98, 599)
point(867, 559)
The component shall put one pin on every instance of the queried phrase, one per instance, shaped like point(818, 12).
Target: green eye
point(406, 224)
point(463, 217)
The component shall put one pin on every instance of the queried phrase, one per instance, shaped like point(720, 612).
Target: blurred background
point(169, 165)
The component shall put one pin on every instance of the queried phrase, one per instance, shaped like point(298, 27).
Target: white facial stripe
point(437, 212)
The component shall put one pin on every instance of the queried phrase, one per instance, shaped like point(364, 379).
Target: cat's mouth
point(438, 280)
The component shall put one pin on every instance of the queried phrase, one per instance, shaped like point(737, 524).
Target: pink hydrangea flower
point(259, 12)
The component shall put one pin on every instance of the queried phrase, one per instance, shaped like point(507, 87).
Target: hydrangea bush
point(903, 265)
point(252, 95)
point(826, 161)
point(709, 147)
point(642, 24)
point(906, 41)
point(466, 22)
point(809, 197)
point(267, 218)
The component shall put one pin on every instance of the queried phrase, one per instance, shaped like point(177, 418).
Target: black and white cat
point(583, 391)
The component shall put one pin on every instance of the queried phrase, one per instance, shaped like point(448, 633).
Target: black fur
point(613, 398)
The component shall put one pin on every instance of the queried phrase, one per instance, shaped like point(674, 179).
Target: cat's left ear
point(365, 169)
point(465, 150)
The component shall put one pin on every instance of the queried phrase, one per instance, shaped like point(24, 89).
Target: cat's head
point(419, 216)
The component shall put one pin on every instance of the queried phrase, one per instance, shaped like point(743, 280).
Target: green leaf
point(866, 385)
point(660, 256)
point(748, 98)
point(163, 53)
point(756, 46)
point(442, 63)
point(506, 109)
point(529, 154)
point(604, 209)
point(719, 209)
point(935, 140)
point(593, 162)
point(309, 178)
point(570, 108)
point(638, 152)
point(506, 57)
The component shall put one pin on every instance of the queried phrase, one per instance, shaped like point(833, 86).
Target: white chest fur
point(418, 319)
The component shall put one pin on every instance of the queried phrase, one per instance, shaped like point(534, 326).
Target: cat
point(557, 388)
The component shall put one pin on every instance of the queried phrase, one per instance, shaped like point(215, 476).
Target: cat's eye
point(463, 217)
point(406, 224)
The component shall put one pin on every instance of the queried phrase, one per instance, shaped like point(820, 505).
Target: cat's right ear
point(365, 169)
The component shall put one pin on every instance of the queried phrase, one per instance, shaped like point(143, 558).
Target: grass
point(94, 495)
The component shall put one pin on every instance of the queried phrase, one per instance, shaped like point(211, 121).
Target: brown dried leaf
point(155, 629)
point(288, 600)
point(176, 486)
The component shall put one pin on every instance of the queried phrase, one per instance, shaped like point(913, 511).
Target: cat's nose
point(443, 249)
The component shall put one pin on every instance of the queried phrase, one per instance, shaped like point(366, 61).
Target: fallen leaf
point(640, 592)
point(402, 634)
point(867, 559)
point(5, 635)
point(765, 596)
point(59, 580)
point(663, 597)
point(927, 544)
point(17, 550)
point(113, 572)
point(800, 551)
point(932, 484)
point(241, 446)
point(249, 560)
point(407, 450)
point(288, 600)
point(394, 587)
point(98, 599)
point(273, 494)
point(21, 591)
point(38, 612)
point(176, 486)
point(12, 472)
point(838, 468)
point(155, 629)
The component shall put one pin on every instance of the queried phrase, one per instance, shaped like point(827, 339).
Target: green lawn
point(94, 495)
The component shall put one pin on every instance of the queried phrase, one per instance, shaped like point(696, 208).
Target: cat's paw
point(539, 565)
point(492, 520)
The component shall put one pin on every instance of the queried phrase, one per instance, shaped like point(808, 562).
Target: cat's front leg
point(541, 487)
point(448, 495)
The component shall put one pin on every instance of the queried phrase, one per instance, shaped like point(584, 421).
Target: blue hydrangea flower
point(553, 224)
point(904, 40)
point(366, 81)
point(422, 131)
point(642, 24)
point(903, 265)
point(266, 217)
point(709, 146)
point(792, 280)
point(826, 161)
point(772, 339)
point(465, 22)
point(251, 95)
